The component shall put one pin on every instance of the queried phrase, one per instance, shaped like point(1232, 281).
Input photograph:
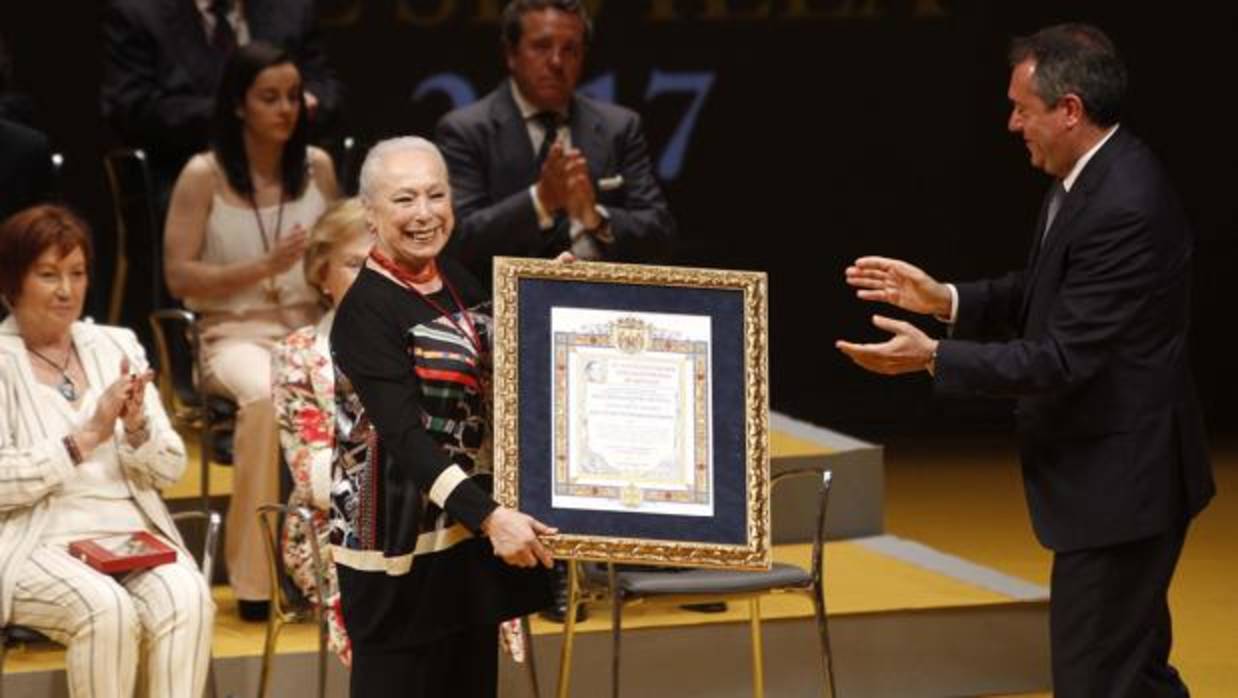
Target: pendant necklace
point(406, 279)
point(66, 387)
point(485, 369)
point(272, 286)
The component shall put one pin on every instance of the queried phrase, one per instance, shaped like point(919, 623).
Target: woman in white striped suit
point(84, 447)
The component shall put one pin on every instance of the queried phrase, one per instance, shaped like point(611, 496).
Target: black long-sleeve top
point(413, 443)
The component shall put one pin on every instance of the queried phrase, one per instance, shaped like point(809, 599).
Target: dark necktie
point(1056, 196)
point(223, 39)
point(549, 121)
point(1055, 205)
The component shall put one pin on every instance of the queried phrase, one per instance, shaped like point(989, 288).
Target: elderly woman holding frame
point(429, 564)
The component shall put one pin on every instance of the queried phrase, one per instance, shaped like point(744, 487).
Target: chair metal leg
point(211, 689)
point(569, 630)
point(827, 663)
point(4, 651)
point(274, 625)
point(616, 634)
point(205, 466)
point(758, 651)
point(321, 617)
point(530, 661)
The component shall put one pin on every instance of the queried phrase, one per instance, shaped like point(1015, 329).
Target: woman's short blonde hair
point(341, 222)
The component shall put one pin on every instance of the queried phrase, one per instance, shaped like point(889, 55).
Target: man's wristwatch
point(601, 231)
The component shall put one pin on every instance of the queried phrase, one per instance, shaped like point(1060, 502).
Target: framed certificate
point(631, 410)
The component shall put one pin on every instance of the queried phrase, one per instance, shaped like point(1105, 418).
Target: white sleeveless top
point(233, 235)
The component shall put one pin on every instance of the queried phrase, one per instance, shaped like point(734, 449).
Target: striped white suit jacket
point(33, 460)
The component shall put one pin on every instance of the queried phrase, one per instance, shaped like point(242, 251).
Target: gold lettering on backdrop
point(594, 8)
point(407, 15)
point(811, 9)
point(723, 10)
point(489, 10)
point(492, 10)
point(662, 11)
point(755, 10)
point(335, 15)
point(929, 8)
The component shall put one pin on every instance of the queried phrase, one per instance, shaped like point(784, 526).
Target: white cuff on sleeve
point(544, 219)
point(954, 305)
point(445, 484)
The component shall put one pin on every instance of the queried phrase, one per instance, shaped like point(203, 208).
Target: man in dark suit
point(163, 59)
point(1092, 339)
point(537, 170)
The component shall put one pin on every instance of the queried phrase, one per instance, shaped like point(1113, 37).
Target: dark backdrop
point(792, 135)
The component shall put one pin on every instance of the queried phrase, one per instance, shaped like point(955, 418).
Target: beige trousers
point(237, 361)
point(149, 629)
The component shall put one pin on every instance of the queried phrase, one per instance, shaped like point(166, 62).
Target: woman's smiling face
point(410, 208)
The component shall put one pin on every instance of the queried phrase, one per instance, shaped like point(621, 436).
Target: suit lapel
point(94, 354)
point(11, 344)
point(588, 136)
point(43, 410)
point(1063, 228)
point(1033, 251)
point(512, 148)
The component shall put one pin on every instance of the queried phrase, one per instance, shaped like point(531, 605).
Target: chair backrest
point(137, 228)
point(825, 478)
point(348, 152)
point(57, 184)
point(205, 546)
point(177, 342)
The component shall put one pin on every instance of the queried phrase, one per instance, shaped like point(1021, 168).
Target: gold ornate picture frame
point(631, 410)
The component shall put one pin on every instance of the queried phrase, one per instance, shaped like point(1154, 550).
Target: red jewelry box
point(123, 552)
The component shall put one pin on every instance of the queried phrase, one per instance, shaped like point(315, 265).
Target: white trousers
point(154, 625)
point(237, 358)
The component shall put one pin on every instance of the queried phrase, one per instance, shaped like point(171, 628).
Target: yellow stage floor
point(858, 581)
point(963, 497)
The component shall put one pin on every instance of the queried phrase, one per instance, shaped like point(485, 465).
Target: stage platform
point(905, 620)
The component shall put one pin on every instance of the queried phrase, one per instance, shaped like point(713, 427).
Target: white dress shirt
point(236, 17)
point(583, 244)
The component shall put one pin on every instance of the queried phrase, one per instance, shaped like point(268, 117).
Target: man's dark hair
point(1075, 59)
point(511, 27)
point(227, 141)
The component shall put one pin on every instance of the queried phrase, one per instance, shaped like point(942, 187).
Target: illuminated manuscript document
point(631, 406)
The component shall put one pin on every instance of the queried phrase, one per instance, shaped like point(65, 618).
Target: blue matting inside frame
point(725, 308)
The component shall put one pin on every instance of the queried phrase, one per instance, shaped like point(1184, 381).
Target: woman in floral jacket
point(303, 385)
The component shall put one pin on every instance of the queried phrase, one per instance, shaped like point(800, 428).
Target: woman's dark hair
point(510, 26)
point(227, 142)
point(27, 234)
